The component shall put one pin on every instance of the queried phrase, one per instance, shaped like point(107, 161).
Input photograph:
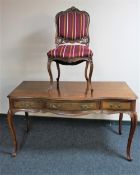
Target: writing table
point(73, 98)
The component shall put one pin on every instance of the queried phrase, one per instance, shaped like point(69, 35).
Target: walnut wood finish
point(70, 61)
point(74, 99)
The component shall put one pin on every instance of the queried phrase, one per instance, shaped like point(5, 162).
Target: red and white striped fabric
point(73, 25)
point(70, 51)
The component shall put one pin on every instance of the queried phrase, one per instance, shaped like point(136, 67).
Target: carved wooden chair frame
point(70, 61)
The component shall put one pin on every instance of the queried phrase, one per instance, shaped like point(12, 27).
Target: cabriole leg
point(28, 121)
point(12, 130)
point(58, 90)
point(86, 70)
point(58, 69)
point(49, 70)
point(120, 123)
point(131, 133)
point(90, 75)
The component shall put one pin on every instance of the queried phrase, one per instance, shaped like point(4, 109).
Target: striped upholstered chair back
point(72, 25)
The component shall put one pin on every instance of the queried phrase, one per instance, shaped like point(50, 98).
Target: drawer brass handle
point(113, 106)
point(86, 106)
point(54, 106)
point(27, 105)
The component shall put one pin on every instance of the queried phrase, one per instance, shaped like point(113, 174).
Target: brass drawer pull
point(28, 105)
point(86, 106)
point(54, 106)
point(113, 106)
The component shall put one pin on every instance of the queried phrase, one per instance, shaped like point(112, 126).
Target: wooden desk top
point(73, 90)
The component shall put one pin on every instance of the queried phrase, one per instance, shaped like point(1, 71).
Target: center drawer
point(55, 105)
point(73, 106)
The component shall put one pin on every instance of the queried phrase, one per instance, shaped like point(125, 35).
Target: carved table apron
point(73, 98)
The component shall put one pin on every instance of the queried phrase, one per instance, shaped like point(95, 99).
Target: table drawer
point(116, 105)
point(74, 106)
point(28, 104)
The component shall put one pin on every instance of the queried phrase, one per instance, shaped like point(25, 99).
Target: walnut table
point(73, 98)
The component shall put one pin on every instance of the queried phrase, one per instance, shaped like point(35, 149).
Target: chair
point(72, 41)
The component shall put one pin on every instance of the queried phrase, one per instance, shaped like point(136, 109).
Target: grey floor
point(68, 147)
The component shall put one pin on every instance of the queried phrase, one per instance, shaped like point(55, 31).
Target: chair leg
point(58, 89)
point(49, 70)
point(86, 69)
point(90, 74)
point(58, 69)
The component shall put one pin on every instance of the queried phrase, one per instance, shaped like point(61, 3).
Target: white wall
point(28, 32)
point(0, 53)
point(139, 51)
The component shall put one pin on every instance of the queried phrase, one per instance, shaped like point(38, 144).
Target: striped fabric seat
point(70, 51)
point(72, 25)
